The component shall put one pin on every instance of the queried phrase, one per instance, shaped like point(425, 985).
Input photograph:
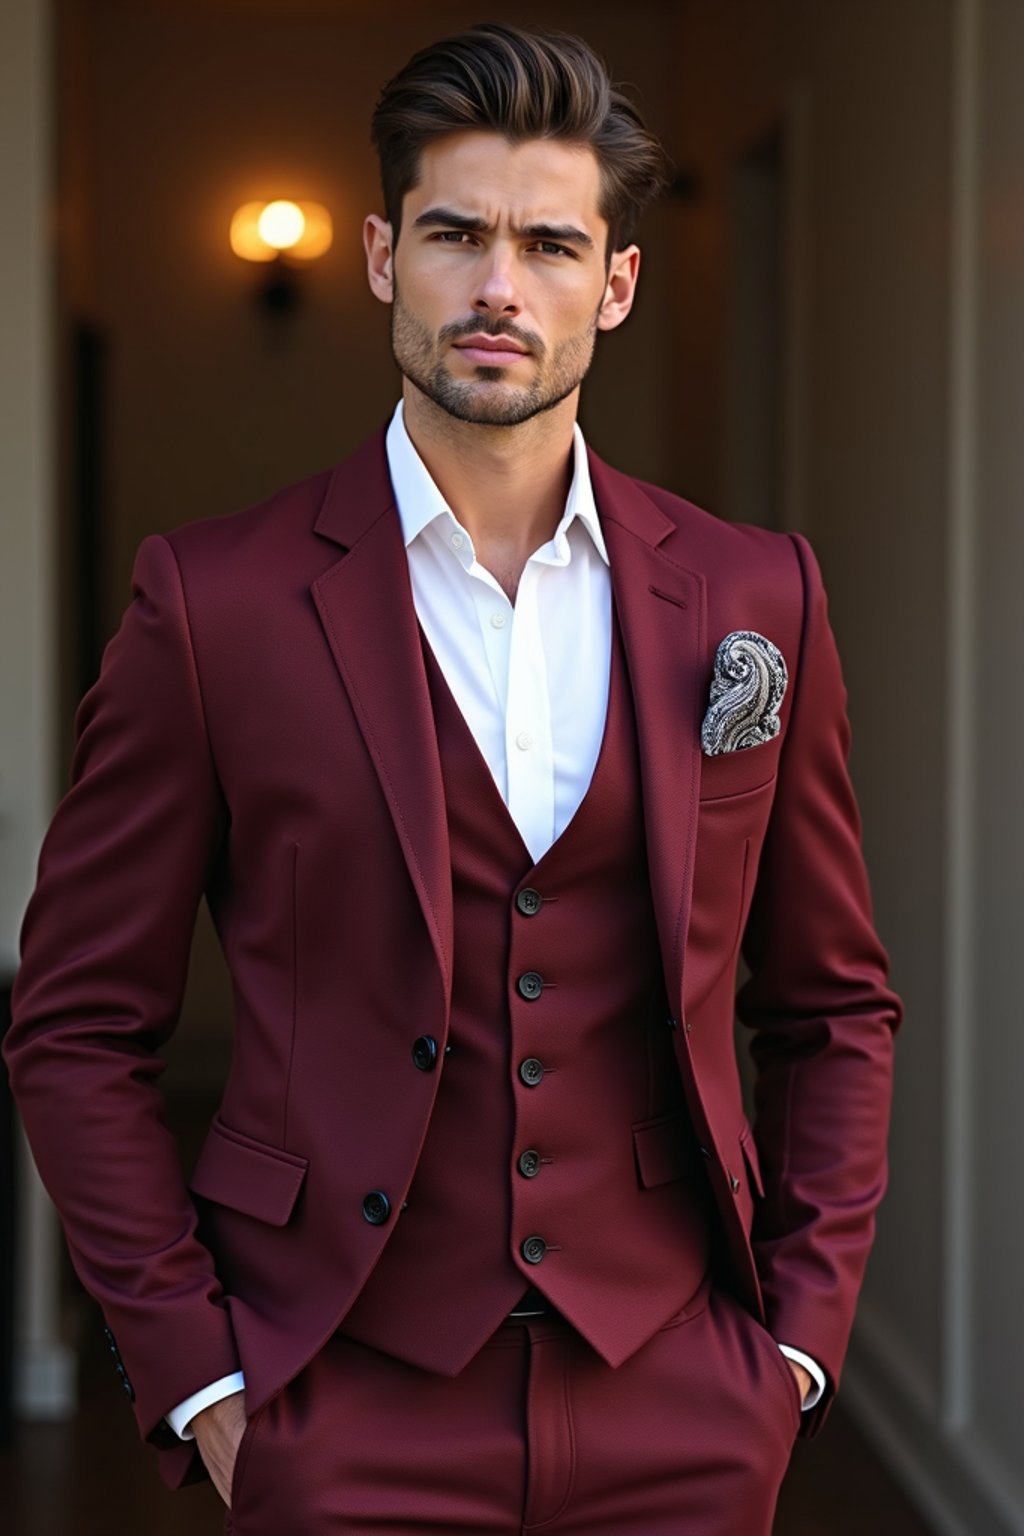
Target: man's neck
point(506, 485)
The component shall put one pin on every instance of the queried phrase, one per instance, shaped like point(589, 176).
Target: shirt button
point(529, 1163)
point(524, 741)
point(533, 1249)
point(530, 985)
point(531, 1071)
point(528, 901)
point(497, 621)
point(457, 541)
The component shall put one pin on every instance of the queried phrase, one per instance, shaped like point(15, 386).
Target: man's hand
point(804, 1380)
point(218, 1431)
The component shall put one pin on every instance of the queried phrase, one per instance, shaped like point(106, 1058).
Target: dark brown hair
point(524, 84)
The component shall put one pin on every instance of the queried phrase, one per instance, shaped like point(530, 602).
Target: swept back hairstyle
point(524, 84)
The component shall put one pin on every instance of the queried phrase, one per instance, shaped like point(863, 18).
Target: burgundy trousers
point(689, 1437)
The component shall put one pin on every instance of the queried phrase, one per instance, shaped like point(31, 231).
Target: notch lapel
point(366, 608)
point(661, 609)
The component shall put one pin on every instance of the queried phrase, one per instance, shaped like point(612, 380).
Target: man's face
point(499, 280)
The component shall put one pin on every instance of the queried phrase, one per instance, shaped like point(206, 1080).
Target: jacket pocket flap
point(660, 1147)
point(247, 1175)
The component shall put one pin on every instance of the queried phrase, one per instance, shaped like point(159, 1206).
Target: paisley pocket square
point(747, 688)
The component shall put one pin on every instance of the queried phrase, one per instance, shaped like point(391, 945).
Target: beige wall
point(44, 1364)
point(27, 642)
point(997, 1023)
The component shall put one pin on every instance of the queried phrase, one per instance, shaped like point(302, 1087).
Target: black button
point(529, 1163)
point(376, 1207)
point(529, 902)
point(424, 1053)
point(530, 986)
point(129, 1390)
point(531, 1071)
point(533, 1249)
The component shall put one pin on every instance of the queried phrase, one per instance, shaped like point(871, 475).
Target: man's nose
point(496, 291)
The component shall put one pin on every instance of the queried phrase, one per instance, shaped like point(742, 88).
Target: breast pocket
point(740, 772)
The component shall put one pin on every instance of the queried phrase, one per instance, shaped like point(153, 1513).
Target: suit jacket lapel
point(366, 608)
point(661, 609)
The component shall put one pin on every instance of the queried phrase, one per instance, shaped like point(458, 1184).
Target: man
point(487, 759)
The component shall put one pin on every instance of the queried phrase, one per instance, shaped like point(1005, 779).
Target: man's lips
point(491, 351)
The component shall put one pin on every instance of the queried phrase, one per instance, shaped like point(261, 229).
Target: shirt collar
point(419, 501)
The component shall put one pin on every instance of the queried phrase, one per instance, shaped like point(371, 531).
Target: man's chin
point(487, 401)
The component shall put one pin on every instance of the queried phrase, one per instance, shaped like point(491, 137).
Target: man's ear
point(620, 288)
point(379, 257)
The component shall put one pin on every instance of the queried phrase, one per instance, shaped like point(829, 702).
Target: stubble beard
point(488, 399)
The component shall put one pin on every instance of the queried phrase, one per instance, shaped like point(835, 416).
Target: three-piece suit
point(458, 1071)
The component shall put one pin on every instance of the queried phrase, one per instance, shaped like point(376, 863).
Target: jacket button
point(424, 1053)
point(529, 902)
point(530, 986)
point(533, 1249)
point(376, 1207)
point(531, 1071)
point(529, 1163)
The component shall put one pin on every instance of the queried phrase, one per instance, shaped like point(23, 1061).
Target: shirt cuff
point(181, 1417)
point(814, 1396)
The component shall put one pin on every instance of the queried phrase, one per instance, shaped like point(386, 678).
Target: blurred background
point(829, 337)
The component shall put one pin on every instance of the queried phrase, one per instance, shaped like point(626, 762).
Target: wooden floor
point(93, 1478)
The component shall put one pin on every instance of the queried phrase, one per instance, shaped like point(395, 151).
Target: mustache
point(479, 326)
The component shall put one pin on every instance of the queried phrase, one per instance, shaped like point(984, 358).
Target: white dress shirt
point(531, 678)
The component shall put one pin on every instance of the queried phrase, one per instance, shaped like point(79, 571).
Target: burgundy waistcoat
point(559, 1152)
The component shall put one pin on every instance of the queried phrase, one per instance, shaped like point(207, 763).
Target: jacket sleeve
point(104, 953)
point(823, 1021)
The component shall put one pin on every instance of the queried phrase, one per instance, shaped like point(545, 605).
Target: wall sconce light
point(283, 236)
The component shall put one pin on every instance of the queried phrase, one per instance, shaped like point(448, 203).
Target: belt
point(530, 1304)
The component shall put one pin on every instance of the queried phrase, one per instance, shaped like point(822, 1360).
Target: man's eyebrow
point(568, 234)
point(447, 218)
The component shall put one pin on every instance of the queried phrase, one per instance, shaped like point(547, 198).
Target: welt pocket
point(662, 1149)
point(744, 772)
point(248, 1175)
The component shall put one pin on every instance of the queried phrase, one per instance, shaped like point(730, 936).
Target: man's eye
point(453, 236)
point(551, 248)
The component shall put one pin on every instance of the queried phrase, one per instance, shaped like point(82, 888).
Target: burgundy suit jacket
point(261, 734)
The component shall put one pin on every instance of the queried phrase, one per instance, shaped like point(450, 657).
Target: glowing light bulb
point(263, 231)
point(281, 224)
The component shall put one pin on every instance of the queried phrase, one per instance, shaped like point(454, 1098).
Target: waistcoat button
point(376, 1207)
point(529, 1163)
point(533, 1249)
point(424, 1053)
point(528, 901)
point(530, 986)
point(531, 1071)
